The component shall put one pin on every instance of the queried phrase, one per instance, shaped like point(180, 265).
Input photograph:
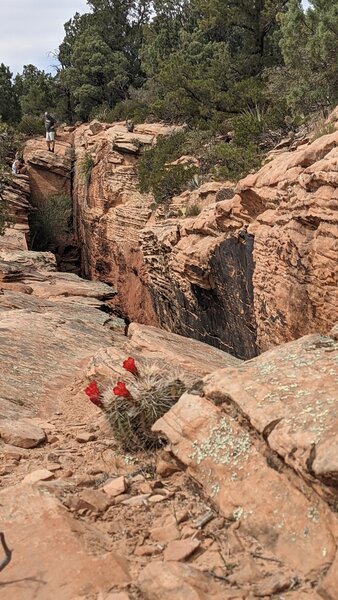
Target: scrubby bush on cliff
point(31, 125)
point(3, 214)
point(85, 168)
point(50, 223)
point(158, 176)
point(10, 143)
point(131, 407)
point(193, 210)
point(229, 161)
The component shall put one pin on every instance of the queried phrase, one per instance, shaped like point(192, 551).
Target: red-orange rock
point(256, 268)
point(174, 581)
point(50, 548)
point(180, 549)
point(49, 173)
point(22, 433)
point(288, 395)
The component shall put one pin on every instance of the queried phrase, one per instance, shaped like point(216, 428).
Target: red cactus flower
point(129, 365)
point(121, 390)
point(93, 393)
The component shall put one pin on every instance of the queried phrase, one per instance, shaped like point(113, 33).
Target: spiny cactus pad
point(153, 392)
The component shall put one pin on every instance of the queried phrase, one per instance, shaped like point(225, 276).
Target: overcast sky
point(30, 30)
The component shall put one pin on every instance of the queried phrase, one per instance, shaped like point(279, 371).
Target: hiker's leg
point(52, 143)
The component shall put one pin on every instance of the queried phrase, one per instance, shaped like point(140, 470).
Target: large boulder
point(260, 438)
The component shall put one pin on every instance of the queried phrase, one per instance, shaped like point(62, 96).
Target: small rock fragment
point(38, 475)
point(22, 434)
point(84, 437)
point(165, 534)
point(93, 500)
point(180, 549)
point(146, 550)
point(116, 487)
point(157, 498)
point(165, 468)
point(137, 500)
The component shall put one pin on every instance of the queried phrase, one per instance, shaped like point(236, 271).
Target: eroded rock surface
point(257, 266)
point(252, 438)
point(246, 506)
point(49, 325)
point(49, 173)
point(53, 554)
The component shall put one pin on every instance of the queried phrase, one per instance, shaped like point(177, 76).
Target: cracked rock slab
point(226, 460)
point(289, 394)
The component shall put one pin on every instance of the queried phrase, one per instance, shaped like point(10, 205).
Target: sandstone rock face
point(16, 196)
point(254, 269)
point(49, 556)
point(258, 436)
point(49, 173)
point(295, 250)
point(252, 439)
point(110, 213)
point(49, 325)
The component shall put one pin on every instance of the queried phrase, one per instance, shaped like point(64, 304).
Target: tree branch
point(8, 553)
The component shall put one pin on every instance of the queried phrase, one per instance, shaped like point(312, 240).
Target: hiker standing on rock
point(50, 124)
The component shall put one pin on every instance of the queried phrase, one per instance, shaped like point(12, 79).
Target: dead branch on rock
point(8, 553)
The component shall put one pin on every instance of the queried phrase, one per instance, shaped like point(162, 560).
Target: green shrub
point(31, 125)
point(172, 181)
point(85, 167)
point(229, 161)
point(324, 129)
point(10, 142)
point(3, 214)
point(5, 179)
point(50, 223)
point(155, 173)
point(193, 210)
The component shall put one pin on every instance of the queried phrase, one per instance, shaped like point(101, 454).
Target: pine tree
point(309, 46)
point(9, 105)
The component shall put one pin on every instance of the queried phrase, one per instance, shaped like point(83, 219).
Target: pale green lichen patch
point(238, 514)
point(313, 418)
point(223, 445)
point(313, 514)
point(215, 488)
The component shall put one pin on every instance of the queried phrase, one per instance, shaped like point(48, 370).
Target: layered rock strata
point(49, 174)
point(16, 196)
point(256, 267)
